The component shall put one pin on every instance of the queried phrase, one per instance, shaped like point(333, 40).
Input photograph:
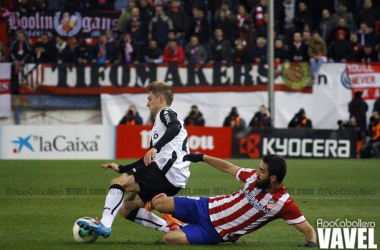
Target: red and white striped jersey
point(251, 208)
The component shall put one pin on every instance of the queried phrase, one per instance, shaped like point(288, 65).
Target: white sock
point(150, 220)
point(113, 203)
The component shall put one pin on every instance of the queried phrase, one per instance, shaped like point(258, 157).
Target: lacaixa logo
point(59, 143)
point(249, 147)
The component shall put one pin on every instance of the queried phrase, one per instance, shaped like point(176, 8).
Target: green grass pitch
point(40, 201)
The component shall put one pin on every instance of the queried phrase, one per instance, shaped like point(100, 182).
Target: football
point(82, 235)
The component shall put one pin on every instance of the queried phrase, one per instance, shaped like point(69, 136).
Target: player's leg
point(113, 203)
point(115, 197)
point(132, 210)
point(177, 237)
point(164, 205)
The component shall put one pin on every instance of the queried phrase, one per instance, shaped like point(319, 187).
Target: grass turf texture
point(45, 221)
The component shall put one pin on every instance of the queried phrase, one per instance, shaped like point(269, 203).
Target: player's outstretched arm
point(308, 230)
point(217, 163)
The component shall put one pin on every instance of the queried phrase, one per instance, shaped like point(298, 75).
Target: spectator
point(131, 117)
point(302, 17)
point(120, 5)
point(280, 53)
point(74, 42)
point(372, 147)
point(356, 47)
point(78, 5)
point(258, 13)
point(358, 107)
point(195, 117)
point(367, 55)
point(225, 12)
point(300, 120)
point(137, 28)
point(234, 120)
point(44, 50)
point(3, 53)
point(153, 54)
point(317, 51)
point(259, 52)
point(261, 118)
point(369, 15)
point(126, 15)
point(325, 25)
point(241, 52)
point(365, 35)
point(20, 49)
point(147, 12)
point(352, 125)
point(376, 105)
point(225, 20)
point(178, 16)
point(199, 26)
point(173, 53)
point(288, 14)
point(342, 13)
point(104, 51)
point(340, 50)
point(248, 34)
point(297, 49)
point(126, 50)
point(241, 16)
point(159, 27)
point(33, 6)
point(342, 25)
point(82, 53)
point(262, 30)
point(219, 48)
point(194, 52)
point(103, 4)
point(63, 52)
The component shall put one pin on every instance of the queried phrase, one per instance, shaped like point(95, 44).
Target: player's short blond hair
point(162, 88)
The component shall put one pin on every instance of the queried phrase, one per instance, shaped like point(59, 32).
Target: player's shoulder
point(168, 116)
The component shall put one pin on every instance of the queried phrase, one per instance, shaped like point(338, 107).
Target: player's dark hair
point(162, 88)
point(276, 166)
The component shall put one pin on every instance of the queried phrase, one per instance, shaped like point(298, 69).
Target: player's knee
point(168, 239)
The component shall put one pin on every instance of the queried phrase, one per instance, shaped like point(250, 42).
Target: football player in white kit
point(161, 170)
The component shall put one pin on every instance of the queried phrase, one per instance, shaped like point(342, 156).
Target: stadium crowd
point(201, 31)
point(227, 31)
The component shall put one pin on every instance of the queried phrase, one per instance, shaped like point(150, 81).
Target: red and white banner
point(365, 78)
point(132, 142)
point(5, 89)
point(69, 79)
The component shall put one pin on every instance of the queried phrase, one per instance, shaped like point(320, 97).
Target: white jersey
point(169, 158)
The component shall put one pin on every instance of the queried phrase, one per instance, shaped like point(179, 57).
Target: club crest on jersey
point(271, 203)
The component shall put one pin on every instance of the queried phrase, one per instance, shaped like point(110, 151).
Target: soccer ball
point(82, 235)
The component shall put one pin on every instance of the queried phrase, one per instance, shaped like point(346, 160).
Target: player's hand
point(112, 165)
point(149, 156)
point(193, 157)
point(309, 244)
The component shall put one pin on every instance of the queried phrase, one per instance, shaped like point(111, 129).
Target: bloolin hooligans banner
point(297, 143)
point(96, 79)
point(63, 23)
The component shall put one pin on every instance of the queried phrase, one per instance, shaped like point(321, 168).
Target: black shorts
point(152, 181)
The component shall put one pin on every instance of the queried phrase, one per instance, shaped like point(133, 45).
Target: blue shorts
point(194, 211)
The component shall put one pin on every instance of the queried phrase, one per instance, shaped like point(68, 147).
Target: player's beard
point(263, 184)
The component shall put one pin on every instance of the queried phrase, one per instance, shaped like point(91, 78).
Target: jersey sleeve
point(291, 213)
point(244, 173)
point(169, 117)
